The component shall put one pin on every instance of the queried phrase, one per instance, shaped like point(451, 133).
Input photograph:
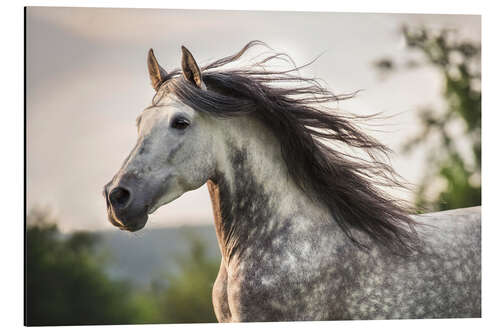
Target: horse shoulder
point(292, 277)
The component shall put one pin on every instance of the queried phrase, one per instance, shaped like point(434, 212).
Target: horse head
point(173, 153)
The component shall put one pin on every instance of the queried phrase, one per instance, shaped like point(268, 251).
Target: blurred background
point(87, 81)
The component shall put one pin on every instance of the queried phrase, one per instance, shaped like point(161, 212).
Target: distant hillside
point(141, 257)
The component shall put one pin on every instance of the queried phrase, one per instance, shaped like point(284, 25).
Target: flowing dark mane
point(298, 111)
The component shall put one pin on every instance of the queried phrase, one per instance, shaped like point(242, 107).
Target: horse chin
point(129, 224)
point(137, 224)
point(134, 228)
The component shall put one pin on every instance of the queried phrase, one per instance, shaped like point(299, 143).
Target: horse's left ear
point(190, 68)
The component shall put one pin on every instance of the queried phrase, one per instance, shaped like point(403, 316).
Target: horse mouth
point(133, 228)
point(130, 224)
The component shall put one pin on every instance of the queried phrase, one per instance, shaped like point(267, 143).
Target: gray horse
point(304, 230)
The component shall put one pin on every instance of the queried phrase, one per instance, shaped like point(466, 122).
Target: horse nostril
point(119, 197)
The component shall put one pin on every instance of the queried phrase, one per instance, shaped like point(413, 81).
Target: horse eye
point(180, 123)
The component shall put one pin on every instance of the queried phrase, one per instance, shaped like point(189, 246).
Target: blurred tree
point(453, 157)
point(187, 297)
point(65, 281)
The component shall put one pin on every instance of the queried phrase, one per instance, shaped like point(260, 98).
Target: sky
point(87, 81)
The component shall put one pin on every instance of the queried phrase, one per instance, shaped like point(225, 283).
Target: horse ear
point(156, 73)
point(190, 69)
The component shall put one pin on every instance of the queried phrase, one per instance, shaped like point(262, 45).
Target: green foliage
point(453, 157)
point(65, 282)
point(188, 296)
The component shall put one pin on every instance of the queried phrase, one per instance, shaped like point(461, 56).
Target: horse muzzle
point(127, 209)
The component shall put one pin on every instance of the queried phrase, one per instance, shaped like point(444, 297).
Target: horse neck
point(252, 193)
